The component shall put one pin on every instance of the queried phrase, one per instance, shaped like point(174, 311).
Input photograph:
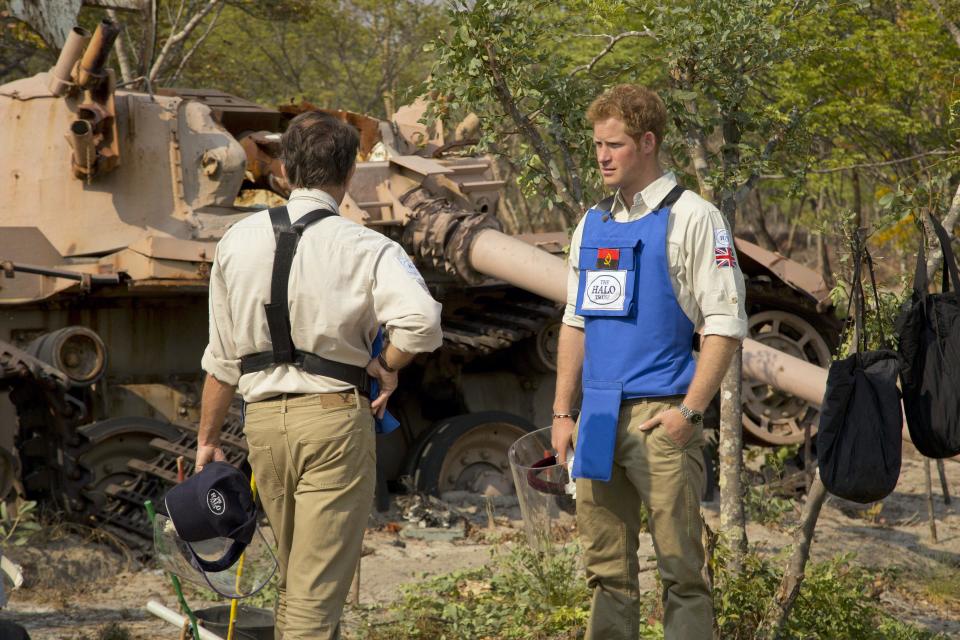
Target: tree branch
point(123, 54)
point(177, 38)
point(569, 206)
point(196, 45)
point(568, 163)
point(611, 43)
point(949, 222)
point(149, 44)
point(693, 137)
point(795, 116)
point(868, 165)
point(947, 22)
point(779, 608)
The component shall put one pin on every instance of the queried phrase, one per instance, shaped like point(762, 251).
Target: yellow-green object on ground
point(234, 601)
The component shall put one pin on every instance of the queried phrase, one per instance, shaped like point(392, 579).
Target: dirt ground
point(78, 586)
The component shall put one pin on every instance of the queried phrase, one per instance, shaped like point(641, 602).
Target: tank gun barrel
point(61, 75)
point(95, 57)
point(9, 268)
point(499, 256)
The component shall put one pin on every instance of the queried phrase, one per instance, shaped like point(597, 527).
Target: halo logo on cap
point(215, 502)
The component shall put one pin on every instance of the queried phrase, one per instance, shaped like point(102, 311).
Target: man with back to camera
point(649, 267)
point(297, 341)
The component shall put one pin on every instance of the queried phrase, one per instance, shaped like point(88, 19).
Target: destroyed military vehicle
point(113, 204)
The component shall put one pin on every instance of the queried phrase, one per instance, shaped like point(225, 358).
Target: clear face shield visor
point(544, 489)
point(245, 577)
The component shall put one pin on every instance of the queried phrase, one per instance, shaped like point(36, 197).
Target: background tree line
point(787, 113)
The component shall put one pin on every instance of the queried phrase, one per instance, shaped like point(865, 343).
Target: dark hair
point(318, 150)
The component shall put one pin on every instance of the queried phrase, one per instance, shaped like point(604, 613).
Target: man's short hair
point(318, 150)
point(639, 108)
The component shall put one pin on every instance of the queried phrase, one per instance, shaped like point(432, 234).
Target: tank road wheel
point(469, 453)
point(111, 445)
point(770, 416)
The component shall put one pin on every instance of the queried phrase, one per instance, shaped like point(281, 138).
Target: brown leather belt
point(630, 401)
point(332, 400)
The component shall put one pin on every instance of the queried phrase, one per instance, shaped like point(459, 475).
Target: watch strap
point(690, 415)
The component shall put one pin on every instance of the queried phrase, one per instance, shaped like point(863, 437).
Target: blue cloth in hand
point(387, 423)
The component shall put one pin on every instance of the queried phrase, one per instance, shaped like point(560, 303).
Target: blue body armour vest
point(638, 341)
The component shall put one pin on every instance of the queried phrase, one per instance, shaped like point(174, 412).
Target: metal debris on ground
point(428, 511)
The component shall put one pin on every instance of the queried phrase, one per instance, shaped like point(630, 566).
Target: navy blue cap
point(215, 503)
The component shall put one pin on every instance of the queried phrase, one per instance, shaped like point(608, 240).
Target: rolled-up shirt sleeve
point(403, 304)
point(570, 316)
point(713, 274)
point(220, 358)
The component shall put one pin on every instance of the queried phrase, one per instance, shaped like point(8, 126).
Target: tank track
point(494, 321)
point(55, 437)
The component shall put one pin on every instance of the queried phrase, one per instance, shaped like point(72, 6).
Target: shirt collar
point(649, 197)
point(302, 201)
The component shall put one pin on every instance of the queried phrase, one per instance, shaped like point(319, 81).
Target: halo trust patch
point(215, 502)
point(605, 290)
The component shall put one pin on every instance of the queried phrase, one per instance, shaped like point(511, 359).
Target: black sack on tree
point(859, 438)
point(929, 351)
point(858, 442)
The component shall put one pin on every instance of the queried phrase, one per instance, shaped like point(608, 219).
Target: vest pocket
point(607, 277)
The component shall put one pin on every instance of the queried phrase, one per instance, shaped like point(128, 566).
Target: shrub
point(520, 594)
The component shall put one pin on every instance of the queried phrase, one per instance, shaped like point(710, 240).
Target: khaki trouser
point(314, 459)
point(649, 468)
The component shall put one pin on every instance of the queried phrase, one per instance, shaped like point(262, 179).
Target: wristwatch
point(691, 416)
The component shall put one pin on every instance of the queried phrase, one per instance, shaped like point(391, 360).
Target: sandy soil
point(78, 586)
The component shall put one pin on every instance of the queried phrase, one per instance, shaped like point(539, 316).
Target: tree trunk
point(931, 512)
point(949, 24)
point(756, 217)
point(779, 608)
point(857, 201)
point(568, 206)
point(122, 51)
point(823, 255)
point(733, 524)
point(949, 222)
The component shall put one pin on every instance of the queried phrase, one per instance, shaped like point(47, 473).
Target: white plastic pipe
point(177, 620)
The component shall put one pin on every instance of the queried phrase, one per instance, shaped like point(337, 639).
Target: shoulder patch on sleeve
point(407, 265)
point(721, 238)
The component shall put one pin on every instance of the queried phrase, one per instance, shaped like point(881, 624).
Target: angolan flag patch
point(608, 258)
point(725, 257)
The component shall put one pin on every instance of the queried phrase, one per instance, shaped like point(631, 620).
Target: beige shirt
point(345, 282)
point(712, 296)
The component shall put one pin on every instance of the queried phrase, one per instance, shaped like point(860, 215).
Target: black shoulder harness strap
point(278, 311)
point(606, 203)
point(668, 201)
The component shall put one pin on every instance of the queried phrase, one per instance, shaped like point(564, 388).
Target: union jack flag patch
point(725, 257)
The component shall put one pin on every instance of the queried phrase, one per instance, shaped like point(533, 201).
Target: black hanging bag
point(859, 437)
point(929, 352)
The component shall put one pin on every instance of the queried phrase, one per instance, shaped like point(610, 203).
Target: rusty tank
point(114, 203)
